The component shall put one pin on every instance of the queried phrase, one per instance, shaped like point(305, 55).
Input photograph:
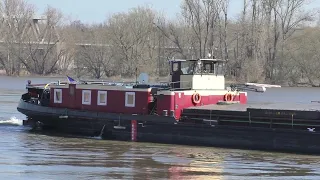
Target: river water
point(24, 155)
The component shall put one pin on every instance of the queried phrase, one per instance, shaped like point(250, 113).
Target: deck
point(262, 106)
point(268, 111)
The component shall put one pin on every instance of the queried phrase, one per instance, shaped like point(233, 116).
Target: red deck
point(179, 100)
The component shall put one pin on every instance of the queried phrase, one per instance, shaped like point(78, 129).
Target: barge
point(193, 108)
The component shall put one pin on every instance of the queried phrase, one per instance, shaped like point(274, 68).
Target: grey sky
point(91, 11)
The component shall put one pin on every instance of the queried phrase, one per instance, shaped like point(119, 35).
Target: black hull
point(166, 131)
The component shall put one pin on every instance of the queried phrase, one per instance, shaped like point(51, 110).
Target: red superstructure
point(193, 83)
point(101, 98)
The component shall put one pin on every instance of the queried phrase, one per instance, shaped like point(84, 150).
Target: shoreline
point(118, 78)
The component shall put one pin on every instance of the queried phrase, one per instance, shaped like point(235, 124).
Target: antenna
point(136, 75)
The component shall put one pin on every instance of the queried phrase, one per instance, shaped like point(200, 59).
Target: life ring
point(228, 97)
point(196, 98)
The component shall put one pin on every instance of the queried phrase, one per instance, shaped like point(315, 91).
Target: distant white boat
point(255, 87)
point(263, 85)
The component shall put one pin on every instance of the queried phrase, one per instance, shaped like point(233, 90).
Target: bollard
point(134, 130)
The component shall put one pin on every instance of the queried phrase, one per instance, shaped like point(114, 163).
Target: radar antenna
point(143, 78)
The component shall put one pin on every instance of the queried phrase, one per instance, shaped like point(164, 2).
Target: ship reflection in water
point(204, 163)
point(218, 164)
point(32, 156)
point(197, 170)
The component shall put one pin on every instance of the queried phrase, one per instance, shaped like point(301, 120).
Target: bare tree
point(132, 37)
point(264, 40)
point(264, 30)
point(287, 15)
point(223, 31)
point(176, 33)
point(65, 62)
point(305, 57)
point(17, 15)
point(75, 35)
point(202, 17)
point(97, 56)
point(250, 37)
point(43, 51)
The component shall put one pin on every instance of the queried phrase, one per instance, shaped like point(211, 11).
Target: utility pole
point(159, 53)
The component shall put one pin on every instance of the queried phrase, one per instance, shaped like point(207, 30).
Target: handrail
point(167, 85)
point(176, 82)
point(41, 85)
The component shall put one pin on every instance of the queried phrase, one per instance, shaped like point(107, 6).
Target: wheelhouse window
point(182, 67)
point(130, 100)
point(86, 97)
point(192, 67)
point(57, 96)
point(102, 98)
point(220, 68)
point(187, 67)
point(208, 68)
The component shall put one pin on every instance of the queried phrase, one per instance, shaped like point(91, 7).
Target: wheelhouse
point(197, 74)
point(200, 66)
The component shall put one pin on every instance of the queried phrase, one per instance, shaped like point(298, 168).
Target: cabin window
point(57, 95)
point(130, 99)
point(102, 98)
point(175, 67)
point(86, 97)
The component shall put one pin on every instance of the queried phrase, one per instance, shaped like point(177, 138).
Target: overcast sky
point(91, 11)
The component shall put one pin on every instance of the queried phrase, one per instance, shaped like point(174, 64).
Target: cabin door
point(178, 103)
point(176, 80)
point(175, 75)
point(72, 96)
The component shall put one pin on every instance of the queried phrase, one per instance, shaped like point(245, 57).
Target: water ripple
point(25, 155)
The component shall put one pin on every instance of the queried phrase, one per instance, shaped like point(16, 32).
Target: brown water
point(24, 155)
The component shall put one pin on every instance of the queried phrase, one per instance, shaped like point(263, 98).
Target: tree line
point(273, 41)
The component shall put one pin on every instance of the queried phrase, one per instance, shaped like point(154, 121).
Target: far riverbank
point(152, 79)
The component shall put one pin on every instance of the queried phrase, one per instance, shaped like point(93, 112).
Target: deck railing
point(171, 85)
point(246, 119)
point(161, 85)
